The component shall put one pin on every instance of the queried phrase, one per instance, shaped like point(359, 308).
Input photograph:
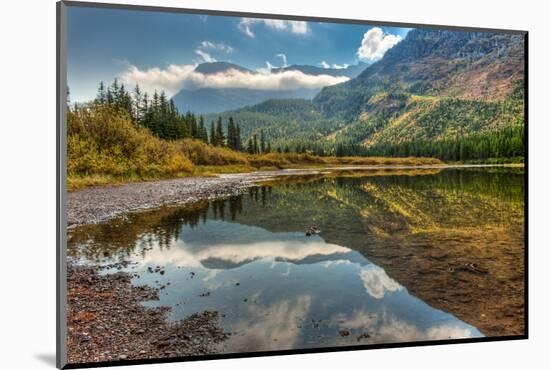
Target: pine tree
point(212, 134)
point(163, 103)
point(203, 135)
point(255, 140)
point(238, 142)
point(138, 101)
point(155, 103)
point(262, 141)
point(101, 94)
point(231, 134)
point(250, 146)
point(220, 138)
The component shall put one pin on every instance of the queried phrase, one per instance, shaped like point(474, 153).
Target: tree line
point(161, 116)
point(505, 143)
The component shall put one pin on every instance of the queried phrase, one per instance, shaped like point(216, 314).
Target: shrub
point(102, 140)
point(201, 153)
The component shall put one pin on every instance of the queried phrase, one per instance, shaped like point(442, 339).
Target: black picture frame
point(61, 190)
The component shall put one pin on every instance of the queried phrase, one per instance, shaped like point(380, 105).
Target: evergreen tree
point(101, 97)
point(262, 141)
point(220, 138)
point(250, 146)
point(255, 144)
point(238, 141)
point(212, 134)
point(203, 135)
point(137, 104)
point(232, 135)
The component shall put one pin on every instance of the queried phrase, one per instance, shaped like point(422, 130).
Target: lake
point(407, 255)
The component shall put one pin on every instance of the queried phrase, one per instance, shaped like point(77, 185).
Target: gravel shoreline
point(101, 203)
point(106, 322)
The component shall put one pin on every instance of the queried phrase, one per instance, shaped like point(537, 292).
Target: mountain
point(217, 67)
point(435, 91)
point(350, 71)
point(469, 65)
point(211, 100)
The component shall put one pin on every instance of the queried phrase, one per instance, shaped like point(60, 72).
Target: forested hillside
point(452, 95)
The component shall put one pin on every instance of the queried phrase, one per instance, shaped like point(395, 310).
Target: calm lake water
point(387, 265)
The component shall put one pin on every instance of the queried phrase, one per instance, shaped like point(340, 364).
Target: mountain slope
point(285, 122)
point(471, 65)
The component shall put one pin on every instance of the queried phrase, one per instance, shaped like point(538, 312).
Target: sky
point(160, 50)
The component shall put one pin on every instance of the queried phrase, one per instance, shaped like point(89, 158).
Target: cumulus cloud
point(326, 65)
point(296, 27)
point(375, 44)
point(283, 57)
point(205, 56)
point(217, 46)
point(176, 77)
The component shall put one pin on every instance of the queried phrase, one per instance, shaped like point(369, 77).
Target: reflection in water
point(377, 282)
point(248, 258)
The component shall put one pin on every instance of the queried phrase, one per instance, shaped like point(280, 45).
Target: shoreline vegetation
point(123, 137)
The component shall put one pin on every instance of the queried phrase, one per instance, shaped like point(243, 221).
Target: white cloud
point(283, 57)
point(377, 282)
point(277, 24)
point(244, 25)
point(299, 27)
point(217, 46)
point(267, 69)
point(175, 77)
point(326, 65)
point(340, 66)
point(205, 56)
point(296, 27)
point(375, 44)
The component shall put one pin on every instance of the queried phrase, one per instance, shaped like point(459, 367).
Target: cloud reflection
point(377, 282)
point(387, 328)
point(271, 327)
point(228, 255)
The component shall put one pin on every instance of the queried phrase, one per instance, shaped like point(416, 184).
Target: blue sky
point(158, 50)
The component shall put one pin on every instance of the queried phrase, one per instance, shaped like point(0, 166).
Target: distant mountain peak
point(350, 71)
point(216, 67)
